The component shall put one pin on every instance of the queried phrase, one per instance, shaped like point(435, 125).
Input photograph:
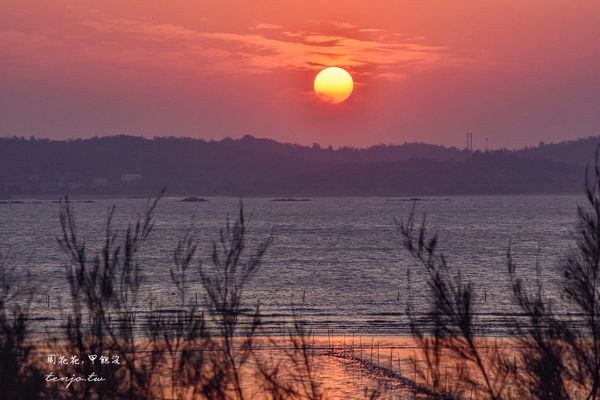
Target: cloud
point(267, 26)
point(371, 30)
point(265, 47)
point(272, 49)
point(343, 25)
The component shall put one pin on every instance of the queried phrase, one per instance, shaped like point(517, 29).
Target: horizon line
point(313, 146)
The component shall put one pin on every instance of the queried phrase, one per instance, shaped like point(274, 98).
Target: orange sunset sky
point(516, 72)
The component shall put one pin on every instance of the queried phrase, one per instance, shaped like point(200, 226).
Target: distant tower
point(486, 145)
point(470, 141)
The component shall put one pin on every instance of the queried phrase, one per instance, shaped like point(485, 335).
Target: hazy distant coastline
point(130, 166)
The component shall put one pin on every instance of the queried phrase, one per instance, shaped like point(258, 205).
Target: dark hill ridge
point(481, 174)
point(264, 167)
point(578, 151)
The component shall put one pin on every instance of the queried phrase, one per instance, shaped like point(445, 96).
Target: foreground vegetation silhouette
point(215, 349)
point(550, 354)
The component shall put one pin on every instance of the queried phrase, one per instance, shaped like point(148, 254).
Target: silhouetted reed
point(205, 350)
point(552, 356)
point(104, 287)
point(447, 335)
point(19, 378)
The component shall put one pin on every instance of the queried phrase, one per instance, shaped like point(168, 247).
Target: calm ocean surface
point(338, 260)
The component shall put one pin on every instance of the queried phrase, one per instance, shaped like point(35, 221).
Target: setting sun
point(333, 85)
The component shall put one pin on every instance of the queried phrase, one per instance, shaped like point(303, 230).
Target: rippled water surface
point(338, 260)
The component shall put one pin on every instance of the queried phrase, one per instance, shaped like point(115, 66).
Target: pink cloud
point(265, 47)
point(272, 49)
point(267, 26)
